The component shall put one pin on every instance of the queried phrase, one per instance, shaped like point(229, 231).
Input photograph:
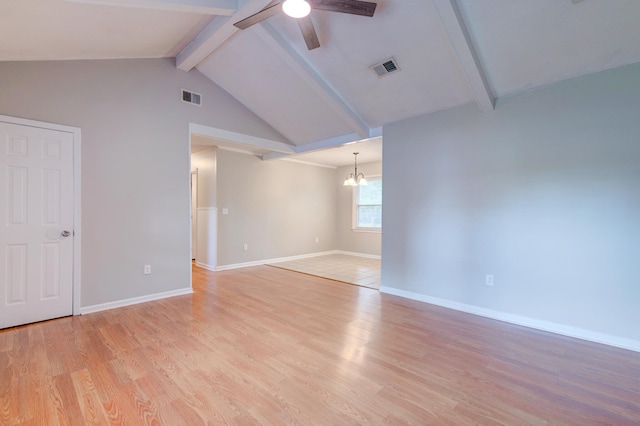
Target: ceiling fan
point(300, 10)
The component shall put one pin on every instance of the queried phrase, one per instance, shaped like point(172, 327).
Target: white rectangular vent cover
point(385, 67)
point(191, 97)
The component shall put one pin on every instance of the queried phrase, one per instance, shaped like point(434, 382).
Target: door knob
point(65, 233)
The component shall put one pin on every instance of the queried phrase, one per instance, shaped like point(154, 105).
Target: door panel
point(36, 190)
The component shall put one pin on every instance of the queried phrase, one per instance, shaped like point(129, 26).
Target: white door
point(36, 224)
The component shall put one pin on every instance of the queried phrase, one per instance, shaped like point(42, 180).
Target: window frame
point(354, 208)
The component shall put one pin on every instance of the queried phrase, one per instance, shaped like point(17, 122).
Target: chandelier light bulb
point(296, 8)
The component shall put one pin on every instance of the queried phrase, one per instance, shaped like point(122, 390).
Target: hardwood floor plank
point(64, 391)
point(267, 346)
point(88, 400)
point(187, 414)
point(145, 407)
point(6, 389)
point(6, 341)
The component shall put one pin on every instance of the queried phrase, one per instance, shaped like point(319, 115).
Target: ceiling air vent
point(191, 97)
point(385, 67)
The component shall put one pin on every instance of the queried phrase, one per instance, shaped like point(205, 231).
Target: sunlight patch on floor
point(356, 270)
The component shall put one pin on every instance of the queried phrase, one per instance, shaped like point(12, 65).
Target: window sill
point(368, 230)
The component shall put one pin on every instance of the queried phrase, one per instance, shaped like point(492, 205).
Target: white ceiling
point(450, 52)
point(33, 30)
point(369, 151)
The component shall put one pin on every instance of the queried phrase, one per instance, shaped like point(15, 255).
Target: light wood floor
point(270, 347)
point(350, 269)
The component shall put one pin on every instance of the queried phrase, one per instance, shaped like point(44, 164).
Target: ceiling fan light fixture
point(296, 8)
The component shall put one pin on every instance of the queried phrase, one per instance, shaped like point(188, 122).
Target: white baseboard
point(284, 259)
point(353, 253)
point(276, 260)
point(134, 301)
point(205, 266)
point(579, 333)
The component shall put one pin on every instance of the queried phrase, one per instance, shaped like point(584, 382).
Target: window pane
point(372, 193)
point(369, 216)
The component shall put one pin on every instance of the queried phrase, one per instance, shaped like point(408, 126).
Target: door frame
point(77, 234)
point(194, 210)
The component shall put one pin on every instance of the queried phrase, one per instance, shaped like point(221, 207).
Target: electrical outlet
point(147, 269)
point(317, 240)
point(488, 280)
point(245, 247)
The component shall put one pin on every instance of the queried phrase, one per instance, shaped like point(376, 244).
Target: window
point(367, 206)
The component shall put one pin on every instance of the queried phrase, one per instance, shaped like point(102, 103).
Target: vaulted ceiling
point(449, 52)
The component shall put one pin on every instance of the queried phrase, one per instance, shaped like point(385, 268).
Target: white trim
point(368, 230)
point(337, 141)
point(276, 150)
point(565, 330)
point(134, 301)
point(353, 253)
point(77, 220)
point(207, 239)
point(205, 266)
point(77, 204)
point(238, 150)
point(267, 261)
point(308, 163)
point(194, 222)
point(226, 135)
point(284, 259)
point(355, 196)
point(320, 145)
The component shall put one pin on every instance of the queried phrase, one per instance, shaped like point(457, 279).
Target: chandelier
point(355, 178)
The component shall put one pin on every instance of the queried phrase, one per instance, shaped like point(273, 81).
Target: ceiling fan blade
point(309, 32)
point(265, 13)
point(354, 7)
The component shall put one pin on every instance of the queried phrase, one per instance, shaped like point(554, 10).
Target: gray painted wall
point(205, 163)
point(349, 240)
point(278, 208)
point(135, 160)
point(543, 192)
